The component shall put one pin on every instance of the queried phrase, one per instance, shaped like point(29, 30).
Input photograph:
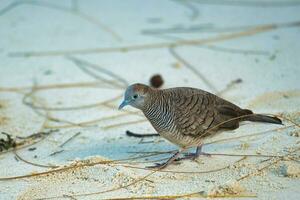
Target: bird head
point(135, 96)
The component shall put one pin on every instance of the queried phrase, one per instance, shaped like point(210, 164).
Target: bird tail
point(260, 118)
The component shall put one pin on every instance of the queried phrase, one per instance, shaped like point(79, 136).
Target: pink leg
point(199, 152)
point(195, 155)
point(168, 162)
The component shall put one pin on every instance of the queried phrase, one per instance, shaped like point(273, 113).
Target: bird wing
point(198, 113)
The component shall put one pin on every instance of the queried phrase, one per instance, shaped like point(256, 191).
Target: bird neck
point(153, 99)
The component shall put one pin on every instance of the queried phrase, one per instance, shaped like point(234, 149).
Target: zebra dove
point(186, 116)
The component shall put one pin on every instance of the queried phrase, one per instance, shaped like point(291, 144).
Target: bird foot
point(165, 164)
point(204, 154)
point(188, 156)
point(193, 156)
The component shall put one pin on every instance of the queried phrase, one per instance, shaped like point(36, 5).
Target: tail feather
point(261, 118)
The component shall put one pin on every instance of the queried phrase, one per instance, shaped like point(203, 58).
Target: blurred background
point(64, 66)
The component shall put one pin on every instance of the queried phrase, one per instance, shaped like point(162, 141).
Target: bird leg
point(194, 156)
point(168, 162)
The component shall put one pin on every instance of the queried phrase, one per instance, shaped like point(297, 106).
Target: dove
point(187, 116)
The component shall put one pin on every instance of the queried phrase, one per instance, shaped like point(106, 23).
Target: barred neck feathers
point(157, 109)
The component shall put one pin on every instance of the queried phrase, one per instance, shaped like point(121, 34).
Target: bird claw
point(165, 164)
point(190, 156)
point(204, 154)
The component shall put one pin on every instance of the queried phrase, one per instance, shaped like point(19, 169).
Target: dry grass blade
point(150, 152)
point(95, 84)
point(10, 7)
point(84, 65)
point(101, 192)
point(32, 163)
point(124, 124)
point(235, 50)
point(70, 10)
point(229, 87)
point(194, 10)
point(196, 195)
point(218, 48)
point(41, 135)
point(193, 69)
point(177, 172)
point(248, 155)
point(108, 190)
point(222, 37)
point(99, 24)
point(288, 119)
point(34, 106)
point(73, 167)
point(275, 161)
point(50, 172)
point(68, 108)
point(250, 135)
point(189, 195)
point(88, 106)
point(69, 139)
point(248, 3)
point(89, 122)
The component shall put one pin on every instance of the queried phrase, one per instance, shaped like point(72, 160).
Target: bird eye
point(135, 96)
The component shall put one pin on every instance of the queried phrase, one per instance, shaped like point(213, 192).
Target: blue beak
point(124, 103)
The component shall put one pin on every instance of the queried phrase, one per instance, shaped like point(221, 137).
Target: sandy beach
point(64, 67)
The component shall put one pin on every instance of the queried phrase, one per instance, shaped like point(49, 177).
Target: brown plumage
point(187, 116)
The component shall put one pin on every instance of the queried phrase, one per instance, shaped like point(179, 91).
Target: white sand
point(267, 62)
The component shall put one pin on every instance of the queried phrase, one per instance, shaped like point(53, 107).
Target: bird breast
point(160, 111)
